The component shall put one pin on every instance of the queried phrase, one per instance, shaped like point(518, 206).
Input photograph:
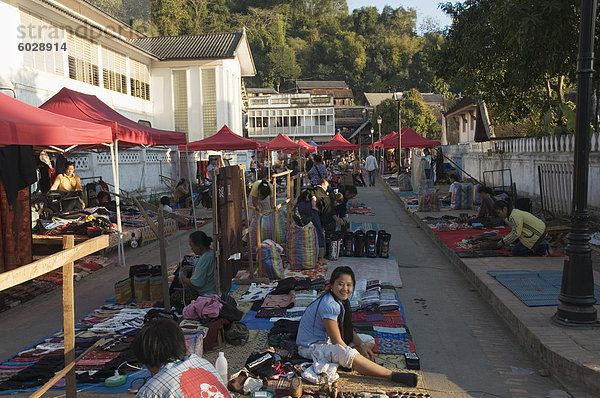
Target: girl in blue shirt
point(326, 332)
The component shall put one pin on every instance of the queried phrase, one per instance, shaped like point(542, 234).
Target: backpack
point(236, 333)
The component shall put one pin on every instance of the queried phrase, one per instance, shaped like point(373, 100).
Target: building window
point(114, 71)
point(209, 102)
point(34, 31)
point(83, 60)
point(180, 100)
point(139, 79)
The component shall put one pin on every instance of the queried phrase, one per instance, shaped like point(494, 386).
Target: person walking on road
point(371, 167)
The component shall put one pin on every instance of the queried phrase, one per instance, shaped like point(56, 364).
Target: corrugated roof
point(432, 97)
point(261, 90)
point(308, 84)
point(208, 46)
point(375, 99)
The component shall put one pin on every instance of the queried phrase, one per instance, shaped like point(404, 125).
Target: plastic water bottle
point(221, 366)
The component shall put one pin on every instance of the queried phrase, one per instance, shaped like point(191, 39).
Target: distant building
point(466, 121)
point(296, 115)
point(434, 101)
point(348, 116)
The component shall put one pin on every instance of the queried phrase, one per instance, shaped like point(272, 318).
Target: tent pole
point(191, 186)
point(113, 155)
point(256, 165)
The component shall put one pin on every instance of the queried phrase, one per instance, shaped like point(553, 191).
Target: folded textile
point(257, 291)
point(203, 307)
point(270, 312)
point(279, 300)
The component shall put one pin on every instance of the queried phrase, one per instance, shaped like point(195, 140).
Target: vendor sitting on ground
point(165, 202)
point(454, 181)
point(160, 346)
point(181, 195)
point(529, 230)
point(104, 200)
point(326, 333)
point(486, 214)
point(261, 193)
point(196, 273)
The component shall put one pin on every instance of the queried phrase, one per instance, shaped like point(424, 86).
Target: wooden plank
point(39, 392)
point(180, 219)
point(69, 319)
point(52, 262)
point(147, 217)
point(245, 204)
point(54, 239)
point(163, 259)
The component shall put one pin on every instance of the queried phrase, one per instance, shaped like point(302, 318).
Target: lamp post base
point(575, 319)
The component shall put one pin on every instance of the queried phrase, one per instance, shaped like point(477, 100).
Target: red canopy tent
point(305, 147)
point(90, 108)
point(339, 143)
point(24, 124)
point(224, 140)
point(282, 141)
point(410, 139)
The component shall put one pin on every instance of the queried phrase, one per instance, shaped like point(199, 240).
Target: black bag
point(155, 313)
point(262, 364)
point(236, 333)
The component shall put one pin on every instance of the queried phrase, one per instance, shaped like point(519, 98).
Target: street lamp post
point(576, 297)
point(372, 131)
point(398, 97)
point(379, 120)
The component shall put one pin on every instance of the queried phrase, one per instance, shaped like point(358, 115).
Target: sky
point(425, 8)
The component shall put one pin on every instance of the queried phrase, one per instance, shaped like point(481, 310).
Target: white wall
point(522, 157)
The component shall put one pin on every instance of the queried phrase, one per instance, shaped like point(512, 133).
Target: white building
point(303, 116)
point(191, 84)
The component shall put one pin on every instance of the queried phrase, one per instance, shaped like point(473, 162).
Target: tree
point(515, 55)
point(388, 110)
point(418, 116)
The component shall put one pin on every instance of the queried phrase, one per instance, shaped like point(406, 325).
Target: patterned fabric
point(302, 246)
point(463, 196)
point(271, 262)
point(270, 226)
point(15, 230)
point(428, 200)
point(192, 377)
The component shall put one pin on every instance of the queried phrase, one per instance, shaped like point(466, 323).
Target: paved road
point(465, 349)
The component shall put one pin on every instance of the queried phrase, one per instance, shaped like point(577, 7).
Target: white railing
point(565, 143)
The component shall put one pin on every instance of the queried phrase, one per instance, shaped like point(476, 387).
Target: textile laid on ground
point(535, 288)
point(365, 226)
point(386, 269)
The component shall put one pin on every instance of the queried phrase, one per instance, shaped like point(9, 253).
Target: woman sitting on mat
point(326, 332)
point(196, 273)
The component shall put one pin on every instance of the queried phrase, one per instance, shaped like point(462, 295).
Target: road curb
point(574, 369)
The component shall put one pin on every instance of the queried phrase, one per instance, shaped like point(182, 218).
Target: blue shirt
point(312, 329)
point(203, 275)
point(317, 173)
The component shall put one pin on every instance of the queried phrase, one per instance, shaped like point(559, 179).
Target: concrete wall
point(522, 157)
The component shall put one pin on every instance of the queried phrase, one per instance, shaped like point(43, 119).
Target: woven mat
point(535, 288)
